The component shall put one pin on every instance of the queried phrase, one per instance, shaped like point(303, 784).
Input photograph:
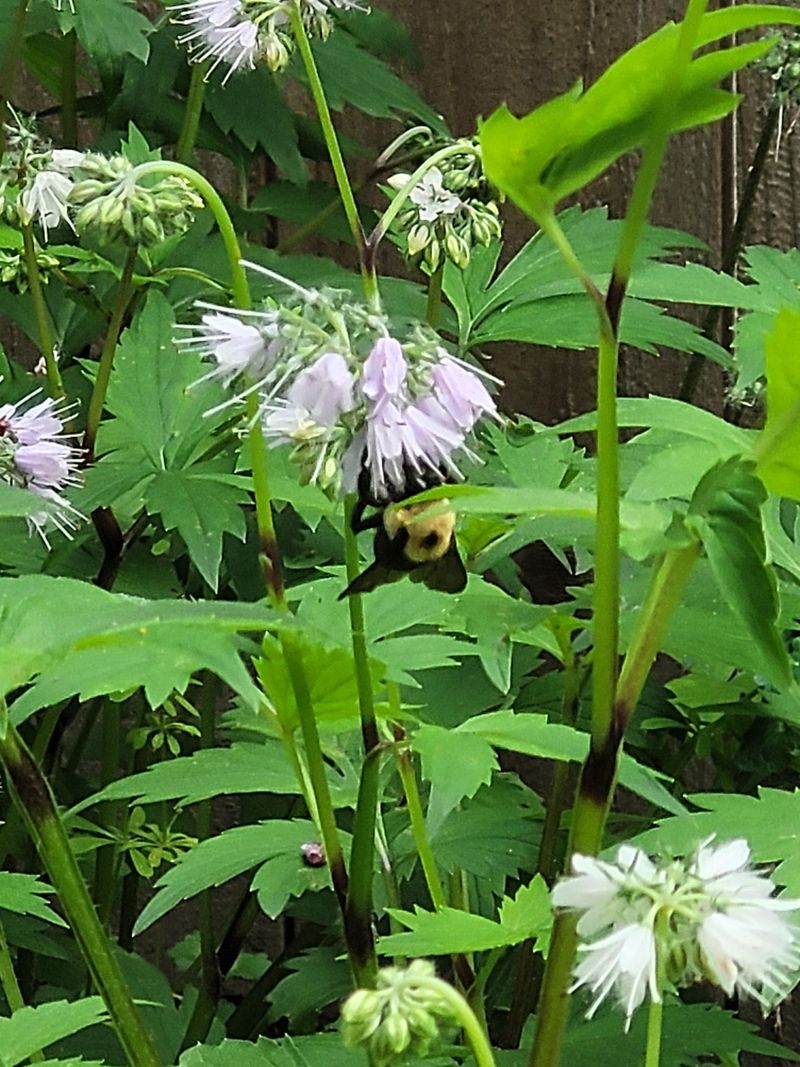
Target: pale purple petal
point(384, 373)
point(462, 394)
point(325, 389)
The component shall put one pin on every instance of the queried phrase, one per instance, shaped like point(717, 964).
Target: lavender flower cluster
point(37, 454)
point(334, 382)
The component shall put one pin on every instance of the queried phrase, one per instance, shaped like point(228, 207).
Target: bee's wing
point(376, 574)
point(448, 574)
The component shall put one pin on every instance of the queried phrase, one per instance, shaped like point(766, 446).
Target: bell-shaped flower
point(236, 347)
point(432, 200)
point(45, 200)
point(384, 374)
point(623, 961)
point(461, 393)
point(324, 390)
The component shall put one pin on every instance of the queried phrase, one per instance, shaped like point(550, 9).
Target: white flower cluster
point(711, 916)
point(37, 454)
point(240, 33)
point(334, 383)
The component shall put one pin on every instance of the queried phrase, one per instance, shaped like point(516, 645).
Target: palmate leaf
point(31, 1029)
point(776, 285)
point(313, 1050)
point(533, 735)
point(274, 846)
point(769, 822)
point(692, 1032)
point(109, 30)
point(562, 145)
point(75, 638)
point(316, 979)
point(537, 299)
point(725, 513)
point(24, 895)
point(450, 930)
point(245, 767)
point(151, 451)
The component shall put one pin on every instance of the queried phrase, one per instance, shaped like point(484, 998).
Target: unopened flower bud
point(418, 239)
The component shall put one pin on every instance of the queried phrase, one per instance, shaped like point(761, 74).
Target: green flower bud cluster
point(14, 272)
point(450, 210)
point(113, 204)
point(399, 1017)
point(782, 65)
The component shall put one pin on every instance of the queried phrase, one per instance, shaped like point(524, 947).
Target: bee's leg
point(357, 520)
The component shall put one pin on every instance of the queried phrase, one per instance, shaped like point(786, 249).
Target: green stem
point(434, 304)
point(466, 1019)
point(208, 995)
point(98, 398)
point(46, 343)
point(417, 819)
point(37, 806)
point(184, 149)
point(69, 91)
point(106, 857)
point(368, 276)
point(663, 598)
point(358, 918)
point(8, 69)
point(655, 1018)
point(240, 286)
point(598, 775)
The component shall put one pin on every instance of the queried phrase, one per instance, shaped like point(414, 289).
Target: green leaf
point(562, 145)
point(528, 913)
point(18, 503)
point(202, 505)
point(779, 448)
point(776, 277)
point(80, 639)
point(24, 895)
point(239, 107)
point(692, 1032)
point(769, 822)
point(109, 30)
point(31, 1029)
point(533, 735)
point(725, 512)
point(245, 767)
point(354, 77)
point(456, 763)
point(313, 1050)
point(316, 979)
point(274, 846)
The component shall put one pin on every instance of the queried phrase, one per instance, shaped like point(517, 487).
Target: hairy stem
point(55, 386)
point(184, 149)
point(32, 795)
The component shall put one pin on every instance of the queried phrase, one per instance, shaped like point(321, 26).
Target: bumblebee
point(408, 543)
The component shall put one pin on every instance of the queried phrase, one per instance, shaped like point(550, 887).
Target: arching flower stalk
point(336, 385)
point(708, 917)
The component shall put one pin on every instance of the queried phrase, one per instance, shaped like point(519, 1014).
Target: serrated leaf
point(31, 1029)
point(443, 932)
point(313, 1050)
point(692, 1032)
point(456, 764)
point(273, 844)
point(779, 448)
point(109, 30)
point(533, 735)
point(769, 822)
point(725, 512)
point(245, 767)
point(316, 979)
point(24, 895)
point(529, 912)
point(202, 506)
point(239, 107)
point(559, 147)
point(78, 639)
